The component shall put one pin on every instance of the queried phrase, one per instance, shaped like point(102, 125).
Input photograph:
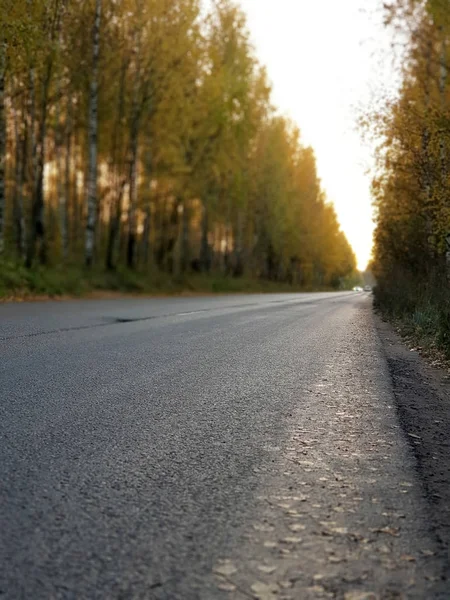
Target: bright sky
point(327, 59)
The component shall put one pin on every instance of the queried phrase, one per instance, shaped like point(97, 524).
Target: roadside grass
point(421, 312)
point(19, 283)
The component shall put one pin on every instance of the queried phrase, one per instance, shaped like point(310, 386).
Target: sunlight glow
point(327, 61)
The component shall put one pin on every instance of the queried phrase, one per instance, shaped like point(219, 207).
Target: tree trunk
point(442, 92)
point(133, 157)
point(427, 177)
point(92, 142)
point(238, 266)
point(67, 174)
point(37, 232)
point(162, 227)
point(447, 255)
point(205, 258)
point(442, 137)
point(131, 244)
point(78, 199)
point(3, 49)
point(178, 245)
point(114, 229)
point(146, 235)
point(21, 149)
point(21, 223)
point(32, 118)
point(185, 245)
point(61, 174)
point(118, 185)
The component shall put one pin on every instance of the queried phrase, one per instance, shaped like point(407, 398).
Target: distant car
point(367, 288)
point(357, 288)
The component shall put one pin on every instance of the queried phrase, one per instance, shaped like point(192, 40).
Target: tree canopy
point(411, 188)
point(142, 133)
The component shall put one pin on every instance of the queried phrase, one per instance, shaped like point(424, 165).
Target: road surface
point(221, 447)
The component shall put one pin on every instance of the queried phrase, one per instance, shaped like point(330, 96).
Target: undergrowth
point(17, 282)
point(420, 308)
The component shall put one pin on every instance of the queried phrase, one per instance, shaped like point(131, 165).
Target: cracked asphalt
point(225, 447)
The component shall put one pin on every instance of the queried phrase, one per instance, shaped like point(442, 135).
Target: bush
point(422, 308)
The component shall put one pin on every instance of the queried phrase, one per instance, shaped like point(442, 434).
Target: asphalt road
point(221, 447)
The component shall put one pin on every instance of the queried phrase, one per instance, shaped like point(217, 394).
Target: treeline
point(412, 186)
point(141, 133)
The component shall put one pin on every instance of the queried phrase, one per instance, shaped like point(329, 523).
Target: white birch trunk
point(92, 141)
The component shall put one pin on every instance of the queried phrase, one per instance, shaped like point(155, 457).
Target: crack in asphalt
point(125, 320)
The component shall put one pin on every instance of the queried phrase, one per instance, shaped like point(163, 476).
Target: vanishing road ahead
point(202, 448)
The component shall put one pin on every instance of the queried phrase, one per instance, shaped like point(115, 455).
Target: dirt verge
point(422, 395)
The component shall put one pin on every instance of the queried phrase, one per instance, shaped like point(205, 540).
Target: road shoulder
point(422, 396)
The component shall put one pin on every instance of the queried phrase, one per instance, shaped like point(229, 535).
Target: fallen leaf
point(225, 568)
point(357, 595)
point(226, 587)
point(266, 569)
point(297, 527)
point(269, 544)
point(336, 559)
point(316, 589)
point(264, 591)
point(407, 557)
point(292, 540)
point(389, 563)
point(340, 530)
point(263, 527)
